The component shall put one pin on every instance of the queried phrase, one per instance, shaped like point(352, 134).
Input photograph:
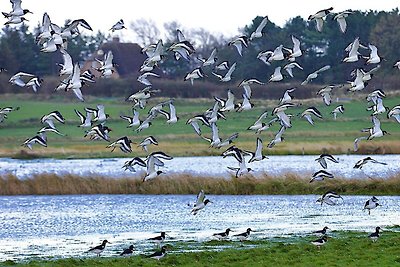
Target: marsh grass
point(288, 184)
point(342, 249)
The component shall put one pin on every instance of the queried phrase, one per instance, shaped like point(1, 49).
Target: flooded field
point(66, 226)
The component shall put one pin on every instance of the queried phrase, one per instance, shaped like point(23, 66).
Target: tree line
point(19, 51)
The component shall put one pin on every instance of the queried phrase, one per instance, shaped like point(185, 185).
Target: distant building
point(127, 56)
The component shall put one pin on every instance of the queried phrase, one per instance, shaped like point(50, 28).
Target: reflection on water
point(208, 166)
point(66, 226)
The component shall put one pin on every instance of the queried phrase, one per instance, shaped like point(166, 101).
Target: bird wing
point(215, 135)
point(327, 98)
point(247, 90)
point(261, 117)
point(78, 93)
point(309, 119)
point(342, 23)
point(374, 51)
point(320, 24)
point(284, 119)
point(324, 68)
point(239, 47)
point(172, 110)
point(259, 147)
point(231, 70)
point(289, 69)
point(200, 197)
point(377, 124)
point(67, 59)
point(180, 36)
point(150, 164)
point(262, 24)
point(354, 47)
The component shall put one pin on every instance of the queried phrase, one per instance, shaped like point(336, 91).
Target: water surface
point(66, 226)
point(205, 166)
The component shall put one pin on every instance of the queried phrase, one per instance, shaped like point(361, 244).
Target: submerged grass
point(342, 249)
point(289, 184)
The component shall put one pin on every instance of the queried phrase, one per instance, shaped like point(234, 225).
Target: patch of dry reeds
point(288, 184)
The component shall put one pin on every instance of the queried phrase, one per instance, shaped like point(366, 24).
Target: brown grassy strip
point(289, 184)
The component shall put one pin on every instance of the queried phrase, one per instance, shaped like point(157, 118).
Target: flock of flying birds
point(53, 38)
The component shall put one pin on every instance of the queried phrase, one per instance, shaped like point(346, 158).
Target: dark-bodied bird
point(158, 254)
point(321, 175)
point(394, 113)
point(319, 17)
point(375, 235)
point(158, 239)
point(257, 154)
point(341, 19)
point(86, 121)
point(359, 164)
point(127, 251)
point(311, 111)
point(330, 198)
point(196, 73)
point(124, 143)
point(129, 165)
point(320, 242)
point(370, 204)
point(337, 110)
point(321, 232)
point(222, 235)
point(99, 249)
point(258, 32)
point(322, 159)
point(17, 10)
point(36, 139)
point(118, 26)
point(200, 203)
point(243, 236)
point(49, 118)
point(98, 132)
point(150, 140)
point(240, 42)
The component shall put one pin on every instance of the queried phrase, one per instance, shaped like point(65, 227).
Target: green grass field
point(342, 249)
point(180, 139)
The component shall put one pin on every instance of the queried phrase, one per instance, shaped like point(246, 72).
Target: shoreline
point(279, 251)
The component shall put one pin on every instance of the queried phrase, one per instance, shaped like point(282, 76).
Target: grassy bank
point(342, 249)
point(334, 136)
point(290, 184)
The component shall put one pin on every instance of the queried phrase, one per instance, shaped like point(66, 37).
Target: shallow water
point(207, 166)
point(66, 226)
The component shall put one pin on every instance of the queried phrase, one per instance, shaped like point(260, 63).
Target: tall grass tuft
point(288, 184)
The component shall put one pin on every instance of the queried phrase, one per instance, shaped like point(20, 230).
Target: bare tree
point(146, 31)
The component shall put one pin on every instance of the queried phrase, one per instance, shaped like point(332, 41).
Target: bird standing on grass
point(222, 235)
point(159, 254)
point(127, 251)
point(320, 242)
point(99, 249)
point(322, 232)
point(158, 239)
point(243, 236)
point(375, 235)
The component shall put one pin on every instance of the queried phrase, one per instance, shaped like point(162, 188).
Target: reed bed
point(288, 184)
